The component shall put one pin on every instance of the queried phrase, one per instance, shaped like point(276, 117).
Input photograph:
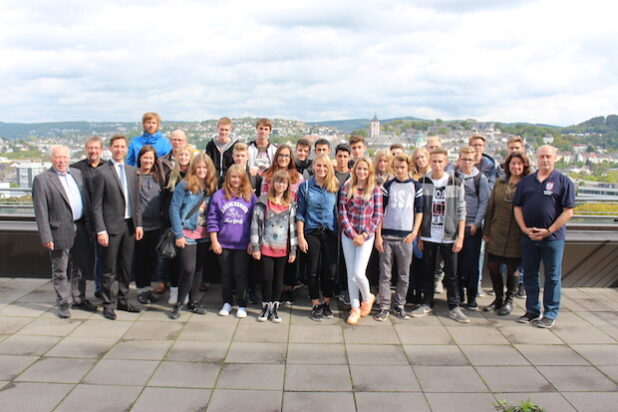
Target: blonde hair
point(389, 157)
point(433, 139)
point(224, 121)
point(240, 147)
point(280, 176)
point(193, 182)
point(175, 173)
point(416, 173)
point(245, 189)
point(331, 184)
point(467, 149)
point(371, 180)
point(151, 115)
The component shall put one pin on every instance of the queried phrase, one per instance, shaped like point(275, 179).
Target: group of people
point(275, 216)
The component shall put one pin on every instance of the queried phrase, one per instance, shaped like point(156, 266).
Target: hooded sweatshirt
point(221, 155)
point(160, 143)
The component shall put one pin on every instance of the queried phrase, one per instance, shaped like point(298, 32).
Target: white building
point(375, 127)
point(26, 171)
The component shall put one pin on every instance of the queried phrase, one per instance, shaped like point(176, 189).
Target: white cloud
point(537, 61)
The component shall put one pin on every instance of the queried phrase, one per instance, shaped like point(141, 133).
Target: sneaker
point(225, 310)
point(481, 293)
point(265, 314)
point(175, 312)
point(421, 311)
point(241, 312)
point(195, 308)
point(528, 317)
point(317, 313)
point(472, 306)
point(366, 306)
point(458, 315)
point(344, 297)
point(506, 309)
point(492, 307)
point(355, 315)
point(173, 299)
point(401, 312)
point(439, 288)
point(252, 297)
point(63, 311)
point(382, 315)
point(521, 292)
point(326, 312)
point(546, 323)
point(274, 313)
point(146, 296)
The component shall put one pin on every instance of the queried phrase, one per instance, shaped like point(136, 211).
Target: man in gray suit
point(114, 204)
point(61, 209)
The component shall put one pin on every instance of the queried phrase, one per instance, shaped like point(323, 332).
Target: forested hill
point(599, 131)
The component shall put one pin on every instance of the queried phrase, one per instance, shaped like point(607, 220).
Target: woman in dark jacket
point(502, 233)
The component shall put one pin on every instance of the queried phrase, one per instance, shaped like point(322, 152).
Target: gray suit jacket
point(108, 202)
point(52, 209)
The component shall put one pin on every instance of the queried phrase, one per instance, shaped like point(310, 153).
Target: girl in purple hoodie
point(229, 226)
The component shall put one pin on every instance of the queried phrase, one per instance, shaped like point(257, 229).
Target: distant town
point(24, 148)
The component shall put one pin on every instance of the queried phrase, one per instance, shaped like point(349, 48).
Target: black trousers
point(117, 261)
point(468, 265)
point(234, 264)
point(146, 260)
point(322, 252)
point(430, 252)
point(272, 272)
point(191, 260)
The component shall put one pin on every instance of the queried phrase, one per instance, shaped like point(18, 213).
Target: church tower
point(375, 127)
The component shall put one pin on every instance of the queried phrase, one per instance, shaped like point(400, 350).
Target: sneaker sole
point(528, 320)
point(419, 315)
point(455, 318)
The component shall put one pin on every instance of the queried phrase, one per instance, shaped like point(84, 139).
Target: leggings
point(146, 259)
point(191, 259)
point(272, 277)
point(322, 252)
point(234, 263)
point(356, 259)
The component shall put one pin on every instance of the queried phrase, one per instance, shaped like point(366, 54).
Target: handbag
point(167, 244)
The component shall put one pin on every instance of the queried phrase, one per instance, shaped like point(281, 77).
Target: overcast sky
point(546, 61)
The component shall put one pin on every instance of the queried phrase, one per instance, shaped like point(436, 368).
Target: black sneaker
point(546, 323)
point(401, 313)
point(528, 317)
point(265, 314)
point(175, 312)
point(382, 315)
point(326, 312)
point(472, 306)
point(252, 297)
point(195, 308)
point(317, 313)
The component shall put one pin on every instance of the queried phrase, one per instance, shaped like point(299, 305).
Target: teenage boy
point(342, 159)
point(303, 163)
point(240, 155)
point(477, 197)
point(261, 151)
point(220, 148)
point(151, 123)
point(403, 213)
point(482, 161)
point(396, 149)
point(357, 147)
point(442, 230)
point(322, 146)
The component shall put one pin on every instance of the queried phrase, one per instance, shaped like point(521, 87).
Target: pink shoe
point(354, 317)
point(366, 306)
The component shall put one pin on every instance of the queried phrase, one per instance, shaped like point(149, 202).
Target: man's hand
point(473, 229)
point(410, 238)
point(458, 245)
point(379, 244)
point(48, 245)
point(103, 239)
point(181, 243)
point(139, 233)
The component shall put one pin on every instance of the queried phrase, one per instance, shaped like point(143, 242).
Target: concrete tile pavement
point(147, 362)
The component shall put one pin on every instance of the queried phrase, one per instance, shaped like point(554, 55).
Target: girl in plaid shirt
point(360, 211)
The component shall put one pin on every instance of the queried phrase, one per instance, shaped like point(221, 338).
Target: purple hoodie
point(231, 218)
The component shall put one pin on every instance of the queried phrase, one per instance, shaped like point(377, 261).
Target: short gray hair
point(57, 147)
point(553, 149)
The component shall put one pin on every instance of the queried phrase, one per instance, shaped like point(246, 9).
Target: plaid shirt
point(358, 215)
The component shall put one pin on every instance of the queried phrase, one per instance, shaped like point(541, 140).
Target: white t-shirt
point(438, 207)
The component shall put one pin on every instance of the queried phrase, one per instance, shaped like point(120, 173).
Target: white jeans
point(356, 260)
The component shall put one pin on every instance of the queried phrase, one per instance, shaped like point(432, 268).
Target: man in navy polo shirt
point(543, 204)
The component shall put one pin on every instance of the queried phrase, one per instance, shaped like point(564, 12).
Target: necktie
point(123, 181)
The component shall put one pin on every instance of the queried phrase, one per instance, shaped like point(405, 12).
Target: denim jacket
point(183, 201)
point(317, 207)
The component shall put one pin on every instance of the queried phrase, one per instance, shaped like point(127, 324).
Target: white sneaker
point(241, 313)
point(225, 310)
point(186, 299)
point(173, 296)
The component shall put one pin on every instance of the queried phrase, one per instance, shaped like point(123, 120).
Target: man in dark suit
point(61, 209)
point(88, 167)
point(114, 205)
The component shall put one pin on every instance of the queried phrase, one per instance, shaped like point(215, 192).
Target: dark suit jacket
point(108, 202)
point(52, 209)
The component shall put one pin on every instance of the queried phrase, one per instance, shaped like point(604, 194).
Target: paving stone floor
point(146, 362)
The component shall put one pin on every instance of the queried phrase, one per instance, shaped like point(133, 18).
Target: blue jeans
point(551, 253)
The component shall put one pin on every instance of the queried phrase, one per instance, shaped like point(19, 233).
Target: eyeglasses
point(466, 160)
point(283, 155)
